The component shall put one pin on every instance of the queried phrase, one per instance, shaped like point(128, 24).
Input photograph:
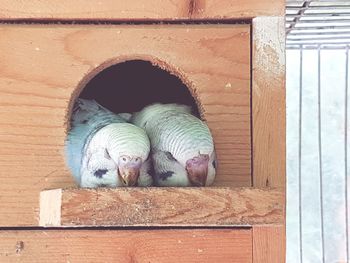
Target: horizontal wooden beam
point(139, 10)
point(181, 245)
point(161, 207)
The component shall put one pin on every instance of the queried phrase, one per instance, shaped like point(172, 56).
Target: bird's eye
point(170, 156)
point(138, 159)
point(214, 164)
point(124, 159)
point(106, 154)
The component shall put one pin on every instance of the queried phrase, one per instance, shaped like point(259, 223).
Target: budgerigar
point(182, 147)
point(103, 150)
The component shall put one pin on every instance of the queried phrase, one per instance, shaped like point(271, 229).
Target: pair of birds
point(162, 145)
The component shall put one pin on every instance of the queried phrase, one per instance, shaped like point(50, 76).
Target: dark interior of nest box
point(129, 86)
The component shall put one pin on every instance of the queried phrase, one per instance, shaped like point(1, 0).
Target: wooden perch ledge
point(210, 206)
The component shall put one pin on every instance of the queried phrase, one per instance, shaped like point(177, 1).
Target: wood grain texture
point(163, 207)
point(43, 67)
point(50, 207)
point(126, 246)
point(269, 244)
point(268, 102)
point(269, 127)
point(151, 9)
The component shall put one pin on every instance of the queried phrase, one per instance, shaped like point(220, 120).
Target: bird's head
point(195, 152)
point(127, 147)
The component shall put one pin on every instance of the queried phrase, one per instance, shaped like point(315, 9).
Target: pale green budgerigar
point(103, 150)
point(182, 146)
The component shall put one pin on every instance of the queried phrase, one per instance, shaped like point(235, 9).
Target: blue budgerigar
point(102, 149)
point(182, 146)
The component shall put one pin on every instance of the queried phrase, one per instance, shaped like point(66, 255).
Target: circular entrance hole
point(129, 86)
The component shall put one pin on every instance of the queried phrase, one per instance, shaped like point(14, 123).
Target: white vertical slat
point(346, 160)
point(301, 77)
point(310, 172)
point(293, 245)
point(320, 164)
point(304, 197)
point(332, 134)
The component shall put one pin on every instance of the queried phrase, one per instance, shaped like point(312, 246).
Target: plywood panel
point(126, 246)
point(268, 102)
point(161, 207)
point(154, 9)
point(42, 66)
point(269, 244)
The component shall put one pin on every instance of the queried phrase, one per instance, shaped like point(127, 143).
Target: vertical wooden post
point(269, 127)
point(269, 244)
point(268, 102)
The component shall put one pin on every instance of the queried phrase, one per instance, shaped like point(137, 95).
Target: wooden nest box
point(224, 58)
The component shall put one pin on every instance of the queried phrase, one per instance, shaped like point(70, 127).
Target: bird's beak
point(197, 169)
point(129, 175)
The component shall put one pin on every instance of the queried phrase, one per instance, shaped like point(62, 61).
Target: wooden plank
point(225, 245)
point(269, 127)
point(50, 207)
point(269, 244)
point(162, 207)
point(268, 102)
point(128, 10)
point(44, 67)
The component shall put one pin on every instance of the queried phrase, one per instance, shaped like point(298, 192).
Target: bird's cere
point(197, 169)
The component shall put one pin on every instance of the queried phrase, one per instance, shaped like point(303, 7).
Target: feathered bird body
point(97, 143)
point(177, 137)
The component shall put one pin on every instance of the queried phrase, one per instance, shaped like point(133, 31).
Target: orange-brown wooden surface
point(171, 206)
point(133, 9)
point(42, 66)
point(126, 246)
point(269, 244)
point(269, 127)
point(268, 102)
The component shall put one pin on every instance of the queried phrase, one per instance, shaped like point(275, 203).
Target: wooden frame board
point(143, 246)
point(43, 68)
point(269, 244)
point(268, 102)
point(269, 128)
point(136, 10)
point(161, 207)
